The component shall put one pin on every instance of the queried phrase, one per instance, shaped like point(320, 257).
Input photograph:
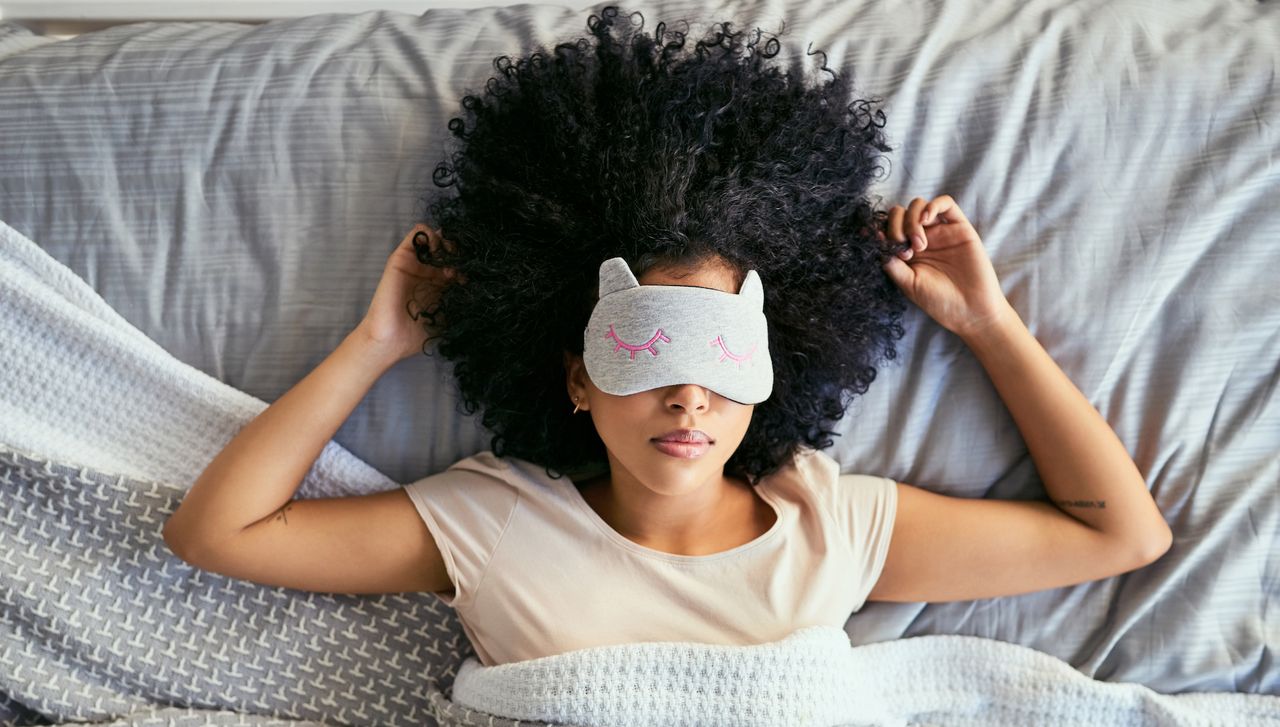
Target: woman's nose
point(689, 396)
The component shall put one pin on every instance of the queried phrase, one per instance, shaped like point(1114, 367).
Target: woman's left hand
point(947, 272)
point(388, 323)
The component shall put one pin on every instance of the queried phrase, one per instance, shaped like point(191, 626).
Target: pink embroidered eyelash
point(729, 354)
point(647, 345)
point(660, 336)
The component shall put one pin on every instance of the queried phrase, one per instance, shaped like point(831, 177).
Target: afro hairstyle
point(669, 157)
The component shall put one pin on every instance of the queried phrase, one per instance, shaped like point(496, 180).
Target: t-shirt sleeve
point(467, 508)
point(866, 506)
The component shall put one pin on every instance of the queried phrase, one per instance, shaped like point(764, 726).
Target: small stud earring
point(575, 405)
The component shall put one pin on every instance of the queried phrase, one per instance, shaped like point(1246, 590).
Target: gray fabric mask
point(642, 337)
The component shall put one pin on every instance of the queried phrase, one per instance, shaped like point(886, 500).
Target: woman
point(687, 514)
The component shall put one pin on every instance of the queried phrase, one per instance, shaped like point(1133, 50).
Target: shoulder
point(486, 471)
point(810, 468)
point(849, 498)
point(483, 462)
point(820, 472)
point(482, 471)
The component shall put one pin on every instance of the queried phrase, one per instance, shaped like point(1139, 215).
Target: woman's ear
point(574, 372)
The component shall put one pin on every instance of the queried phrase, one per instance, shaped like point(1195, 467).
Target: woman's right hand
point(406, 282)
point(947, 272)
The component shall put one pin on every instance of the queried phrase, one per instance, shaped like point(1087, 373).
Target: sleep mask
point(641, 337)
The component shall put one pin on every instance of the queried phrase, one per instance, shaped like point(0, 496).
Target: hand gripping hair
point(641, 337)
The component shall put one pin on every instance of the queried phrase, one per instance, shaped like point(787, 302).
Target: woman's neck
point(720, 516)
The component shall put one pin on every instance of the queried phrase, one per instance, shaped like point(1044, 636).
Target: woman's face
point(628, 425)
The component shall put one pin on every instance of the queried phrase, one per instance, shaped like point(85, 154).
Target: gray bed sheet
point(233, 191)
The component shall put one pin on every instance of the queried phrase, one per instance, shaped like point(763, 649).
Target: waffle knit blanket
point(814, 677)
point(101, 433)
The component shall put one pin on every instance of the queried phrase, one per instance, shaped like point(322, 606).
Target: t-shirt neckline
point(628, 544)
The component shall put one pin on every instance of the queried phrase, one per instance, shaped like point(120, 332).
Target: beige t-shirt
point(537, 572)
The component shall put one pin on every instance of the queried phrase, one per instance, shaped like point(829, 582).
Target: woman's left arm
point(1086, 470)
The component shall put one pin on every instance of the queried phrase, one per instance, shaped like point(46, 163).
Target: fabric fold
point(82, 385)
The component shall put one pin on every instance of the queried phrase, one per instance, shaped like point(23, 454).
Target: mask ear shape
point(753, 290)
point(616, 275)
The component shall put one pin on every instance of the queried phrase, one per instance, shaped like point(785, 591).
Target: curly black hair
point(668, 158)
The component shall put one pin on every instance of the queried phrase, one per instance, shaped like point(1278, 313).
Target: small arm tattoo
point(1100, 504)
point(280, 514)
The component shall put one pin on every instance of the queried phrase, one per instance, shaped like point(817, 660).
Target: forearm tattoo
point(280, 514)
point(1100, 504)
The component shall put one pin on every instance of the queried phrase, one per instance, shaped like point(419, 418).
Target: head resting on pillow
point(695, 160)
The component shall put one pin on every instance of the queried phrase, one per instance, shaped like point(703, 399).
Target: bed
point(232, 190)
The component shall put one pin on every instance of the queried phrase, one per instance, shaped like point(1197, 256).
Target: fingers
point(906, 223)
point(438, 240)
point(909, 223)
point(434, 242)
point(899, 272)
point(944, 209)
point(912, 226)
point(895, 223)
point(434, 239)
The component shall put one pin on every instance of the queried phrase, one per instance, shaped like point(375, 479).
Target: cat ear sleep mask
point(642, 337)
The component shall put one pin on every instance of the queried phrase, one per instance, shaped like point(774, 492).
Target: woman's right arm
point(254, 477)
point(239, 518)
point(364, 544)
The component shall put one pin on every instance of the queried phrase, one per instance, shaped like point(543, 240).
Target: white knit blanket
point(79, 384)
point(814, 677)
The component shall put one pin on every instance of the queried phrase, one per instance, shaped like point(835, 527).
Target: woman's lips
point(682, 450)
